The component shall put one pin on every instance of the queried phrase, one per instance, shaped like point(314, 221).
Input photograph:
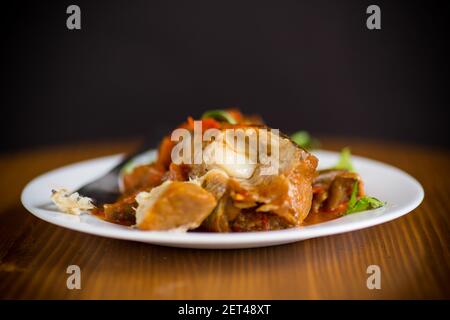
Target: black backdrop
point(140, 67)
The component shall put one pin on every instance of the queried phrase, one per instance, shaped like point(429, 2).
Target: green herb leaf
point(304, 140)
point(220, 115)
point(345, 161)
point(353, 196)
point(363, 203)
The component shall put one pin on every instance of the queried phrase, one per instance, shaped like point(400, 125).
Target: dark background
point(138, 68)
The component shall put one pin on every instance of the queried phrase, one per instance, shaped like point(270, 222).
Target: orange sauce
point(324, 215)
point(99, 213)
point(312, 218)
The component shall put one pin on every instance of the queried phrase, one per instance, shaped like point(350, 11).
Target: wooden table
point(413, 251)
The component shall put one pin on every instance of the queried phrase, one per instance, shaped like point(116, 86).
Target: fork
point(106, 188)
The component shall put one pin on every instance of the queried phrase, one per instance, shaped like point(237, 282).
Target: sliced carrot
point(164, 152)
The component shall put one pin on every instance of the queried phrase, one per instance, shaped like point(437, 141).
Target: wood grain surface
point(412, 251)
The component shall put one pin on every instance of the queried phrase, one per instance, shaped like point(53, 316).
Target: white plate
point(401, 192)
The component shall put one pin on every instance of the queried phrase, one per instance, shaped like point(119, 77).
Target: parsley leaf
point(345, 161)
point(220, 115)
point(363, 203)
point(304, 140)
point(352, 201)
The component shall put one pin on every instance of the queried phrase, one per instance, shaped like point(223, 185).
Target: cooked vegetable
point(363, 203)
point(333, 189)
point(174, 205)
point(340, 190)
point(236, 194)
point(121, 212)
point(143, 177)
point(220, 115)
point(345, 161)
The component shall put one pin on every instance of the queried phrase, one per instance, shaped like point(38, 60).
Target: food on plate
point(71, 203)
point(236, 174)
point(178, 205)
